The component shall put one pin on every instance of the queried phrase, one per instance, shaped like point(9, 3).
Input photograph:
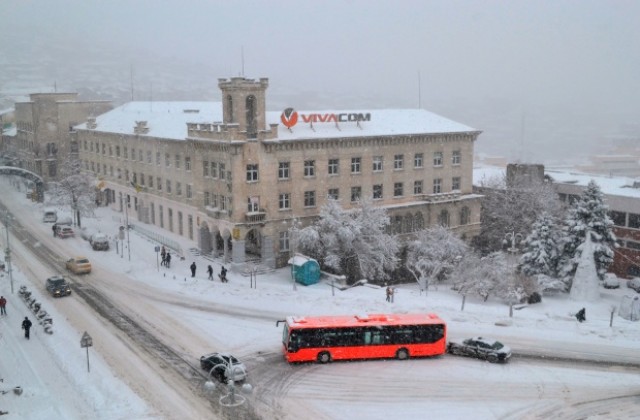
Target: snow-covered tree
point(74, 189)
point(541, 248)
point(586, 284)
point(433, 254)
point(512, 208)
point(352, 242)
point(588, 214)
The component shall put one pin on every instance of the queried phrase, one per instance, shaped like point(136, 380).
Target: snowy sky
point(124, 383)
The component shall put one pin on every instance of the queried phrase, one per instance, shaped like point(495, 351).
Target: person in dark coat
point(193, 269)
point(163, 254)
point(581, 316)
point(3, 304)
point(26, 326)
point(55, 229)
point(210, 272)
point(223, 274)
point(167, 260)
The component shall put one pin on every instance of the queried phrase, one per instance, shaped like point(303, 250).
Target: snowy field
point(198, 316)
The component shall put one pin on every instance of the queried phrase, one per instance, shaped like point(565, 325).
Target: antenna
point(131, 79)
point(242, 60)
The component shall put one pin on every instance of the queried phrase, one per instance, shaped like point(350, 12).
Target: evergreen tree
point(589, 213)
point(541, 248)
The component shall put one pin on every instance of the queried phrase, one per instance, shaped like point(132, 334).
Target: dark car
point(481, 348)
point(219, 363)
point(58, 286)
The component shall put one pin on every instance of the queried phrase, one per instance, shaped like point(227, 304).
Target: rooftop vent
point(91, 123)
point(141, 127)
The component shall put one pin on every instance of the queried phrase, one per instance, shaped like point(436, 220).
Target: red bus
point(327, 338)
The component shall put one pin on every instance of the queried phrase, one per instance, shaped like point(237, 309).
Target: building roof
point(169, 120)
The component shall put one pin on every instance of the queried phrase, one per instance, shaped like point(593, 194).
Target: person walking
point(210, 272)
point(54, 229)
point(163, 254)
point(223, 274)
point(167, 261)
point(3, 304)
point(26, 326)
point(389, 293)
point(193, 269)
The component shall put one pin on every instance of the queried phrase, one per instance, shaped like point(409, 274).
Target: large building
point(234, 178)
point(42, 139)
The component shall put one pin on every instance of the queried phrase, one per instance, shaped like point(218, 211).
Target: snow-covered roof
point(169, 120)
point(618, 186)
point(299, 260)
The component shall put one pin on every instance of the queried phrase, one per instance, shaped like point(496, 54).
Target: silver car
point(634, 284)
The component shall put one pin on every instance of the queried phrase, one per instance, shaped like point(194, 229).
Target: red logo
point(289, 117)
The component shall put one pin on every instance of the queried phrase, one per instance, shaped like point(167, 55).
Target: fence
point(154, 236)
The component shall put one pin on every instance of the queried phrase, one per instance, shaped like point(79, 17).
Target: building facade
point(42, 139)
point(234, 178)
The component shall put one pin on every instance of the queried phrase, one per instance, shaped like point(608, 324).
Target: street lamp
point(231, 399)
point(7, 255)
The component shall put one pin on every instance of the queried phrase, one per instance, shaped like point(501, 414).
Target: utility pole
point(7, 255)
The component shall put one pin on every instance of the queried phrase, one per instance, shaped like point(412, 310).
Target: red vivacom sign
point(290, 117)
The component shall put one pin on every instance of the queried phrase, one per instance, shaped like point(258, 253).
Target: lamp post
point(514, 240)
point(126, 218)
point(7, 254)
point(231, 399)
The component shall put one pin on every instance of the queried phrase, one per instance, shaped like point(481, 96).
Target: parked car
point(58, 286)
point(221, 363)
point(50, 215)
point(99, 242)
point(611, 281)
point(78, 265)
point(634, 284)
point(64, 232)
point(481, 348)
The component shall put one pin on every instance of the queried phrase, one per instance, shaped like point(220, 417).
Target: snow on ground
point(52, 369)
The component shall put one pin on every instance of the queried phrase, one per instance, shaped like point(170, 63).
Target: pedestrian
point(223, 274)
point(3, 303)
point(167, 261)
point(163, 253)
point(389, 293)
point(54, 228)
point(210, 272)
point(164, 260)
point(26, 326)
point(193, 269)
point(581, 316)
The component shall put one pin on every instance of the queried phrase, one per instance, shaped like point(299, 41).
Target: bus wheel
point(402, 354)
point(324, 357)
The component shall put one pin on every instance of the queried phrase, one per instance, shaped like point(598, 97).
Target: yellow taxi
point(78, 265)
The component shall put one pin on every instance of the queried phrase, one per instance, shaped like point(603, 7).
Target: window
point(437, 186)
point(443, 218)
point(110, 150)
point(140, 158)
point(619, 218)
point(398, 189)
point(168, 187)
point(187, 163)
point(417, 187)
point(333, 193)
point(117, 150)
point(356, 193)
point(252, 173)
point(159, 183)
point(309, 198)
point(124, 150)
point(150, 181)
point(167, 160)
point(104, 149)
point(284, 241)
point(205, 168)
point(284, 170)
point(221, 170)
point(334, 166)
point(455, 157)
point(153, 213)
point(634, 221)
point(465, 216)
point(158, 158)
point(207, 198)
point(377, 192)
point(180, 232)
point(189, 191)
point(377, 163)
point(119, 172)
point(177, 161)
point(142, 177)
point(437, 159)
point(149, 156)
point(418, 160)
point(190, 227)
point(170, 217)
point(178, 188)
point(355, 165)
point(214, 200)
point(284, 201)
point(135, 176)
point(398, 162)
point(214, 169)
point(455, 183)
point(309, 168)
point(253, 204)
point(161, 216)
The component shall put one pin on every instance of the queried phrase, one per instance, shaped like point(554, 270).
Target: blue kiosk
point(305, 270)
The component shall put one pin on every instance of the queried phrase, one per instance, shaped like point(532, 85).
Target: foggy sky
point(469, 58)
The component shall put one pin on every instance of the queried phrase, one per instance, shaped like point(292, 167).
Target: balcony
point(254, 217)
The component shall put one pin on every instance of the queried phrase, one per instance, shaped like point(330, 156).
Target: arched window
point(230, 107)
point(465, 216)
point(408, 223)
point(251, 117)
point(443, 218)
point(396, 225)
point(418, 221)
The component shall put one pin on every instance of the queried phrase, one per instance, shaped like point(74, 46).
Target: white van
point(50, 216)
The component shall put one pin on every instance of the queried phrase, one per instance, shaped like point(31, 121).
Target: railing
point(154, 236)
point(255, 217)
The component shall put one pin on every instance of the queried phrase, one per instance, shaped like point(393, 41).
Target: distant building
point(42, 139)
point(234, 178)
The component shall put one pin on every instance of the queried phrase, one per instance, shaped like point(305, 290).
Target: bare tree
point(74, 189)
